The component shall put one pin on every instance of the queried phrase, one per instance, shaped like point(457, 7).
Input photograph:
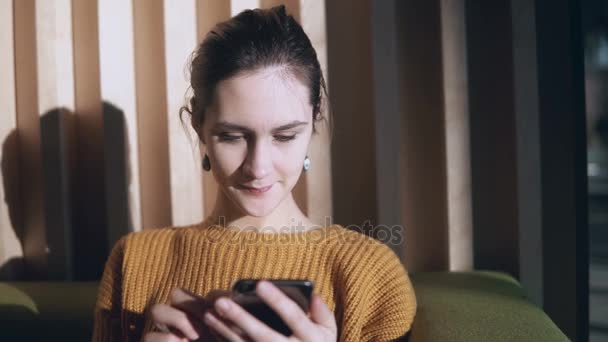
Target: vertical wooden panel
point(424, 187)
point(293, 7)
point(237, 6)
point(318, 195)
point(117, 73)
point(28, 128)
point(185, 161)
point(55, 55)
point(11, 266)
point(209, 13)
point(56, 105)
point(93, 233)
point(387, 113)
point(492, 127)
point(151, 94)
point(351, 88)
point(457, 134)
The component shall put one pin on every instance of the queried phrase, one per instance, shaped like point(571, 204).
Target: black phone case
point(300, 291)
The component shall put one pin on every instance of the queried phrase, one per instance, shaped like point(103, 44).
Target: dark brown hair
point(252, 40)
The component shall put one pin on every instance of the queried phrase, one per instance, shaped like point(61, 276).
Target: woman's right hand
point(181, 318)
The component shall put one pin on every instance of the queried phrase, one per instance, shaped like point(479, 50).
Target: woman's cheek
point(291, 162)
point(227, 159)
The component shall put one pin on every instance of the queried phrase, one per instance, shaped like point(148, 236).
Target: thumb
point(320, 313)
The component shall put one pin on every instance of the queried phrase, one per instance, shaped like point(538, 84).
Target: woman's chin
point(256, 211)
point(257, 207)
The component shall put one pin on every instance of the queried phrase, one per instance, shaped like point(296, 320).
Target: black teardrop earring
point(206, 163)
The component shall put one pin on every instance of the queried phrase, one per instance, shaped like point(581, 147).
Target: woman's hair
point(250, 41)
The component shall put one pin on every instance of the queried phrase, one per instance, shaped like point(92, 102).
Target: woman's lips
point(255, 191)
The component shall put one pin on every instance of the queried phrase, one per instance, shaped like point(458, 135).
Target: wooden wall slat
point(237, 6)
point(121, 135)
point(387, 112)
point(209, 13)
point(318, 195)
point(458, 159)
point(423, 159)
point(10, 206)
point(151, 95)
point(93, 234)
point(492, 139)
point(350, 87)
point(54, 55)
point(28, 132)
point(185, 161)
point(292, 6)
point(55, 71)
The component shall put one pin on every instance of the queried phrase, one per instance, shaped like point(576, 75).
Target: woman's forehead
point(262, 97)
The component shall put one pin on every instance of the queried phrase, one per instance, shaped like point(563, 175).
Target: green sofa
point(477, 306)
point(452, 306)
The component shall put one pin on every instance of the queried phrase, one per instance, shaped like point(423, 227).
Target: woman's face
point(257, 133)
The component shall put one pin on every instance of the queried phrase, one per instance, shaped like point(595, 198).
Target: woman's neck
point(286, 218)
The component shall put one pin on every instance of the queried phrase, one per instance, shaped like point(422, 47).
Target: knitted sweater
point(359, 278)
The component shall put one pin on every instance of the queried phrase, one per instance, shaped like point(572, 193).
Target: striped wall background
point(93, 146)
point(92, 143)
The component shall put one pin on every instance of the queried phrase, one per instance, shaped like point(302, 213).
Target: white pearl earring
point(306, 163)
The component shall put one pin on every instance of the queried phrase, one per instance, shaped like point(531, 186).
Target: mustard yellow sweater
point(359, 278)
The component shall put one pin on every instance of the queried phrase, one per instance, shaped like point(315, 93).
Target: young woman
point(257, 98)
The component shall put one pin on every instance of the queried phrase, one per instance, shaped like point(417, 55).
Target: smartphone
point(300, 291)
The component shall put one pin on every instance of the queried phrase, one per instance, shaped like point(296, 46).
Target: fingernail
point(222, 305)
point(208, 317)
point(264, 286)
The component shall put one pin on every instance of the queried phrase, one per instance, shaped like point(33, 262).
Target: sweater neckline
point(222, 233)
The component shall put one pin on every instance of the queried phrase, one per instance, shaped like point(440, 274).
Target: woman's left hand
point(320, 326)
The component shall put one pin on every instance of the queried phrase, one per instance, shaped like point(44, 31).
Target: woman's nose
point(258, 162)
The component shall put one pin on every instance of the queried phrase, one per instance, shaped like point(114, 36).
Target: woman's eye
point(284, 138)
point(226, 137)
point(229, 137)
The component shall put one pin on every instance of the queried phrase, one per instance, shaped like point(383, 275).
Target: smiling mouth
point(255, 190)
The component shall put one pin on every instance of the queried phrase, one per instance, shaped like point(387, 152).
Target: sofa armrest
point(47, 311)
point(477, 306)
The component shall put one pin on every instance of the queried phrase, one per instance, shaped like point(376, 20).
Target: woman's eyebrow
point(235, 127)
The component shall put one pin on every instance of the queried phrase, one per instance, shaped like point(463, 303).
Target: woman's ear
point(198, 128)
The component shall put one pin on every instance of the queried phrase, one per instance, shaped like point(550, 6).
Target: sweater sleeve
point(391, 299)
point(107, 315)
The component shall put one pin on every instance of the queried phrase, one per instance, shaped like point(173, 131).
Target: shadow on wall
point(85, 192)
point(12, 268)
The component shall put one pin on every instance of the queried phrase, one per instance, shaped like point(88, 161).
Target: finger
point(222, 328)
point(194, 305)
point(253, 327)
point(162, 337)
point(166, 315)
point(188, 301)
point(291, 313)
point(321, 314)
point(215, 294)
